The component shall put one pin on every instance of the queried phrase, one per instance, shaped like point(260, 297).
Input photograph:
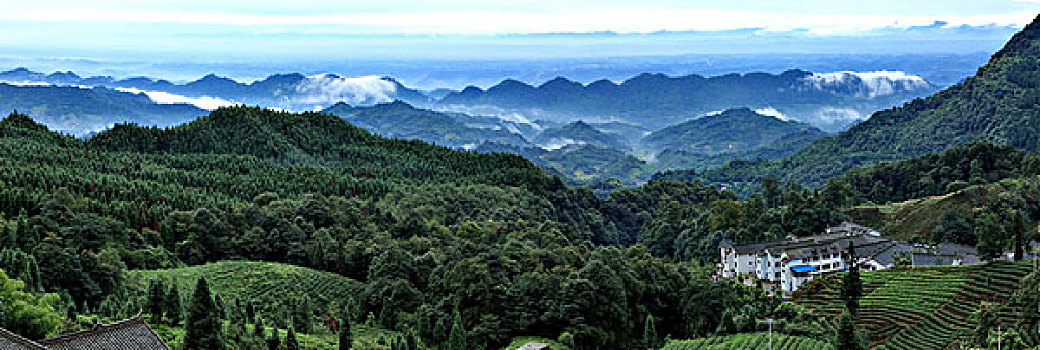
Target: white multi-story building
point(785, 265)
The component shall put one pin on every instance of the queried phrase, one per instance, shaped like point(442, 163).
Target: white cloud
point(771, 112)
point(559, 143)
point(625, 20)
point(326, 89)
point(868, 84)
point(162, 97)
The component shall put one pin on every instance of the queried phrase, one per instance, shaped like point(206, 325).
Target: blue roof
point(803, 268)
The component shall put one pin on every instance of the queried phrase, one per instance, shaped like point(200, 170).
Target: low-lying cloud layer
point(162, 97)
point(323, 90)
point(868, 84)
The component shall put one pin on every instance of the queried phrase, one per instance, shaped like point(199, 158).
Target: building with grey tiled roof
point(786, 264)
point(11, 341)
point(130, 334)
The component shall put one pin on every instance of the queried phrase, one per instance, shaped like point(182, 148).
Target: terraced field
point(924, 308)
point(264, 284)
point(749, 341)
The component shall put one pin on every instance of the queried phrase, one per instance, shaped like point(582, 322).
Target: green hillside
point(926, 307)
point(1000, 104)
point(265, 285)
point(581, 133)
point(402, 121)
point(749, 341)
point(916, 219)
point(458, 240)
point(734, 130)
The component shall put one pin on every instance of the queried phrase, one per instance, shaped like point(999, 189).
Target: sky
point(252, 30)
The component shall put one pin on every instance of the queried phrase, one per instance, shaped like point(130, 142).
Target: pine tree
point(156, 296)
point(851, 285)
point(273, 342)
point(218, 302)
point(290, 340)
point(202, 331)
point(172, 305)
point(649, 332)
point(413, 340)
point(726, 324)
point(258, 328)
point(35, 284)
point(250, 313)
point(457, 337)
point(302, 315)
point(846, 338)
point(345, 337)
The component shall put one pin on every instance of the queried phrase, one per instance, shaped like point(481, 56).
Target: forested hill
point(403, 121)
point(460, 239)
point(318, 139)
point(1001, 104)
point(734, 130)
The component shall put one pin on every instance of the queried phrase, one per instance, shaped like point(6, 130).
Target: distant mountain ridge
point(827, 100)
point(999, 104)
point(293, 91)
point(80, 111)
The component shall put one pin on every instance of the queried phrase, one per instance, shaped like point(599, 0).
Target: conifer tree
point(457, 337)
point(156, 296)
point(202, 331)
point(302, 315)
point(250, 312)
point(846, 338)
point(273, 342)
point(649, 332)
point(218, 303)
point(290, 340)
point(413, 340)
point(345, 337)
point(172, 305)
point(258, 328)
point(851, 285)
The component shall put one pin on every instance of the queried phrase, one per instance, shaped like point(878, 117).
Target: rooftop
point(129, 334)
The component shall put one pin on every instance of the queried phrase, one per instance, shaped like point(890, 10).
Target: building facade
point(785, 265)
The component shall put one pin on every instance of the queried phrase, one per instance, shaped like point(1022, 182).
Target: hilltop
point(403, 121)
point(733, 130)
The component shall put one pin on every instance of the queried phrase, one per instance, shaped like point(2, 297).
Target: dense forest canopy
point(446, 232)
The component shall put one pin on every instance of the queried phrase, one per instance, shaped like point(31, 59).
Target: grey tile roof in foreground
point(11, 341)
point(129, 334)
